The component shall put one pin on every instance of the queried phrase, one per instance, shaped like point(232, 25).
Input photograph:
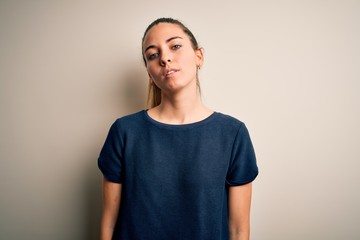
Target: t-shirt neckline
point(179, 126)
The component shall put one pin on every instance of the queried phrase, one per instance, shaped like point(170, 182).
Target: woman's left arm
point(239, 211)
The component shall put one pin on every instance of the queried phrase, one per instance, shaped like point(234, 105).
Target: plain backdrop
point(289, 69)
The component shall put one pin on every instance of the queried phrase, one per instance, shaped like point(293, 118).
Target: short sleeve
point(242, 168)
point(110, 158)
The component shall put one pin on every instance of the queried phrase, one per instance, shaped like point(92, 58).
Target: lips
point(170, 72)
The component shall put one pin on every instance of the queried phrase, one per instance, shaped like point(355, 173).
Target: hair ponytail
point(154, 96)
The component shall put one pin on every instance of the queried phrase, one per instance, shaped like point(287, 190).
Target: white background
point(289, 69)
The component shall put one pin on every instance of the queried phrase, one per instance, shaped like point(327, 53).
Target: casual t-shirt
point(175, 178)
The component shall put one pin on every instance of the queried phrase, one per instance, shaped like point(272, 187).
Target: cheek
point(190, 65)
point(152, 71)
point(189, 60)
point(149, 68)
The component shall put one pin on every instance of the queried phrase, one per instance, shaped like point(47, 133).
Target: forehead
point(163, 31)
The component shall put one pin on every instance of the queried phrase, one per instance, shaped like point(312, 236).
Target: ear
point(199, 53)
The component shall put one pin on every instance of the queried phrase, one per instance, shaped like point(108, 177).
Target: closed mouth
point(170, 72)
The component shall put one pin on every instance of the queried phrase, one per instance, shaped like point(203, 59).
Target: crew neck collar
point(179, 126)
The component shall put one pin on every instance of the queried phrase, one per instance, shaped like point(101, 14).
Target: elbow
point(237, 232)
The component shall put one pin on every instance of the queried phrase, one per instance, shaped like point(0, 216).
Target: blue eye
point(152, 56)
point(177, 46)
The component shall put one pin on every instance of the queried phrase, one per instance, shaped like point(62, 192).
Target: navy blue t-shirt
point(175, 178)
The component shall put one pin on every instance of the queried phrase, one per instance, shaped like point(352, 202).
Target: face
point(170, 59)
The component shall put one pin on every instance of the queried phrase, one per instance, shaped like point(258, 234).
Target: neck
point(180, 108)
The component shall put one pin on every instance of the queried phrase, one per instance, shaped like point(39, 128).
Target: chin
point(177, 87)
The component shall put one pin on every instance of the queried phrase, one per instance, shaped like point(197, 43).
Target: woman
point(177, 170)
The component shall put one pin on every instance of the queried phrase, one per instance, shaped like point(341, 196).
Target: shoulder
point(130, 121)
point(132, 117)
point(228, 121)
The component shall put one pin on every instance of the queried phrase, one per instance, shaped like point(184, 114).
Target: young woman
point(177, 170)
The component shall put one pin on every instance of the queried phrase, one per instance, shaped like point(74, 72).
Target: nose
point(166, 58)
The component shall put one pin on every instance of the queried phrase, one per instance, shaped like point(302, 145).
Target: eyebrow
point(168, 40)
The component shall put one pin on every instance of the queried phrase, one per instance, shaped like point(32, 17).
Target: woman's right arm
point(111, 205)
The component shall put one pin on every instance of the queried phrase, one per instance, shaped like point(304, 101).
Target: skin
point(172, 64)
point(167, 47)
point(239, 212)
point(111, 204)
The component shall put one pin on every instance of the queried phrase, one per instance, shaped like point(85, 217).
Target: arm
point(111, 204)
point(239, 211)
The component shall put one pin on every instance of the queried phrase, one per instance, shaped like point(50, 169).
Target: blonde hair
point(154, 95)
